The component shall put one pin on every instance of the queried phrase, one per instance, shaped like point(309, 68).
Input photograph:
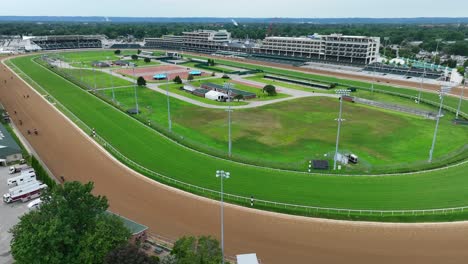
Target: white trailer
point(24, 192)
point(16, 169)
point(24, 177)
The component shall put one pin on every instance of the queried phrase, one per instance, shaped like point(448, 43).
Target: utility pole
point(228, 87)
point(421, 87)
point(341, 93)
point(222, 175)
point(442, 92)
point(136, 95)
point(169, 121)
point(461, 94)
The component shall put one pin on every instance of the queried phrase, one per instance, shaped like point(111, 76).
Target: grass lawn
point(102, 79)
point(259, 78)
point(87, 57)
point(443, 188)
point(175, 88)
point(449, 101)
point(258, 91)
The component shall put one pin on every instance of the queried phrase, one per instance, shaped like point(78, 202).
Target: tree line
point(397, 34)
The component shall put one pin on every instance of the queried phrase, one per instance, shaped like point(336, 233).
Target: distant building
point(222, 89)
point(9, 149)
point(333, 48)
point(100, 64)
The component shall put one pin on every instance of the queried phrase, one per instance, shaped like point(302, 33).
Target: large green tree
point(129, 254)
point(201, 250)
point(270, 90)
point(71, 226)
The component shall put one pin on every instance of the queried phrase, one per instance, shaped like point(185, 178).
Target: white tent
point(216, 96)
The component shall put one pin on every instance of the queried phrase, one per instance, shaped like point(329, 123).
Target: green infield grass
point(426, 190)
point(449, 101)
point(96, 78)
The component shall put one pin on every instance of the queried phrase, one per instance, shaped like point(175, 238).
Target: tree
point(141, 81)
point(139, 51)
point(465, 64)
point(213, 74)
point(270, 90)
point(134, 57)
point(199, 250)
point(147, 60)
point(178, 80)
point(190, 77)
point(71, 226)
point(128, 254)
point(117, 52)
point(225, 76)
point(239, 97)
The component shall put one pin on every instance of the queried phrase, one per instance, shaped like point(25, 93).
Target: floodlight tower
point(461, 94)
point(341, 93)
point(228, 87)
point(422, 83)
point(169, 121)
point(444, 90)
point(222, 175)
point(135, 87)
point(437, 48)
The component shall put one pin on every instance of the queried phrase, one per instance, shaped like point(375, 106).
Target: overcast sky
point(236, 8)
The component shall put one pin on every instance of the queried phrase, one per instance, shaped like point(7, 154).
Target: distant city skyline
point(238, 8)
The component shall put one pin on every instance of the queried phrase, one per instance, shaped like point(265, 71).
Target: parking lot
point(9, 216)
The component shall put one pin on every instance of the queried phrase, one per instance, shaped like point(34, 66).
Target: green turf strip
point(445, 188)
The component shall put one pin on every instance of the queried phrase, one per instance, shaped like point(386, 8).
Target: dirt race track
point(275, 238)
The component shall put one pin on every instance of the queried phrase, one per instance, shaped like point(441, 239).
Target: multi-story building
point(199, 40)
point(333, 48)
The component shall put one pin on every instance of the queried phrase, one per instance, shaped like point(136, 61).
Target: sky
point(236, 8)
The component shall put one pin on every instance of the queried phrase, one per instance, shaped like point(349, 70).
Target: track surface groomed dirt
point(275, 238)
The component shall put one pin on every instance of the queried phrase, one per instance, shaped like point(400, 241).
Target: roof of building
point(247, 259)
point(134, 227)
point(233, 91)
point(8, 145)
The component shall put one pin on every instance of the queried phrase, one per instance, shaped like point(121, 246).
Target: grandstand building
point(69, 42)
point(199, 41)
point(333, 48)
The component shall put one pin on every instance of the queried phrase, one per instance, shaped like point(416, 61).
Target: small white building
point(247, 259)
point(216, 96)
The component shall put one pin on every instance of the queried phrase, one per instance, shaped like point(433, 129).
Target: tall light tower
point(437, 48)
point(444, 90)
point(169, 121)
point(421, 86)
point(222, 175)
point(136, 94)
point(461, 94)
point(341, 93)
point(228, 87)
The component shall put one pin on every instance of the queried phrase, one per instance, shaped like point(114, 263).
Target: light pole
point(341, 93)
point(443, 90)
point(223, 175)
point(135, 87)
point(421, 86)
point(461, 94)
point(228, 87)
point(112, 85)
point(373, 79)
point(437, 48)
point(168, 104)
point(94, 73)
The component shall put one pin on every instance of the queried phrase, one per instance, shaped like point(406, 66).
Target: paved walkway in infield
point(276, 238)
